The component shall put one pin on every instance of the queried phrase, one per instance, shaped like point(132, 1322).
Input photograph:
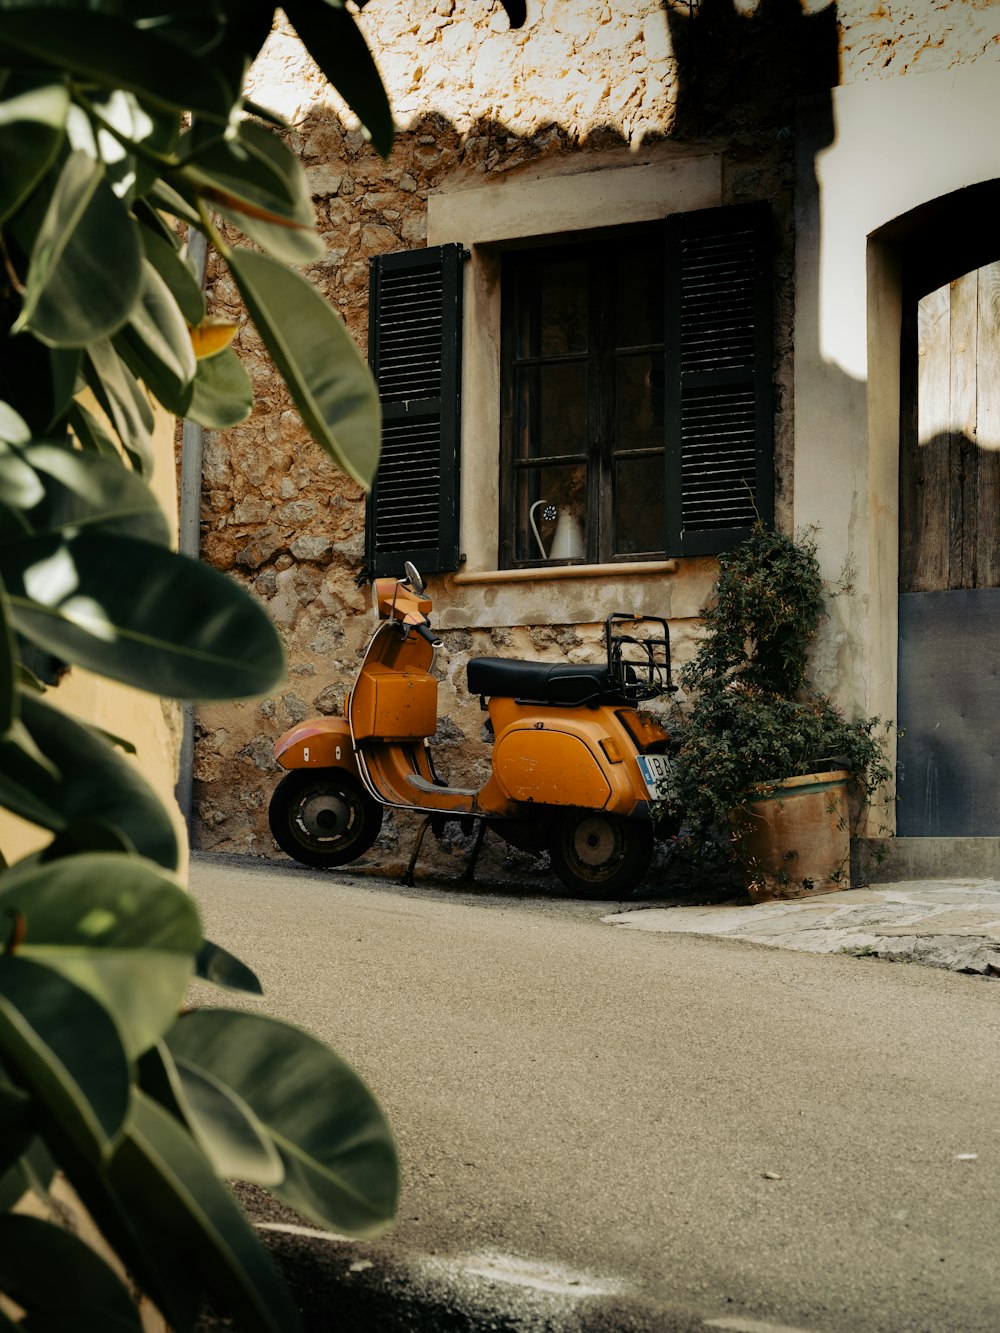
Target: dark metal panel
point(719, 414)
point(948, 774)
point(414, 349)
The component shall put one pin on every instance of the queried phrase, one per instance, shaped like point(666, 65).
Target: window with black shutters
point(414, 349)
point(636, 412)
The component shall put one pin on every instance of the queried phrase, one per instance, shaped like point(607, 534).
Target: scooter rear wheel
point(323, 817)
point(597, 855)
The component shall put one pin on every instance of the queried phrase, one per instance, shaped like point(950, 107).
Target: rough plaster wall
point(473, 101)
point(885, 38)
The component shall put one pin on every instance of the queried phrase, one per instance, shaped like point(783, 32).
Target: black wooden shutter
point(414, 349)
point(719, 418)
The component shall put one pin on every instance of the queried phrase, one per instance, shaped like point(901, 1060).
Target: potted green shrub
point(763, 755)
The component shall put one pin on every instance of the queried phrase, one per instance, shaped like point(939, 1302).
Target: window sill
point(568, 572)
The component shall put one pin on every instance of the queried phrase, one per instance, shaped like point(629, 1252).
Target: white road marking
point(518, 1272)
point(734, 1324)
point(293, 1229)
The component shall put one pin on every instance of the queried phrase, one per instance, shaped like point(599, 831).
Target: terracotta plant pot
point(795, 841)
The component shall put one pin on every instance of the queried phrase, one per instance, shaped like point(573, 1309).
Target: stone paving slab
point(953, 924)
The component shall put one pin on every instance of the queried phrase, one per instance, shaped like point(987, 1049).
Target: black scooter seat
point(541, 682)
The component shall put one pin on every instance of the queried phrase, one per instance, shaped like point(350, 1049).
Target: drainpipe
point(189, 538)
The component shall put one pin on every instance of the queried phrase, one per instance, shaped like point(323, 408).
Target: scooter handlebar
point(427, 633)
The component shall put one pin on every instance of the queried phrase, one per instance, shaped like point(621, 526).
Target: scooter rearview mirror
point(413, 576)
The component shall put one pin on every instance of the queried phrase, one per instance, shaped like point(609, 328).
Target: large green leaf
point(257, 183)
point(66, 364)
point(60, 1281)
point(221, 968)
point(338, 1152)
point(17, 1123)
point(160, 1174)
point(123, 401)
point(223, 1125)
point(155, 343)
point(328, 30)
point(63, 1047)
point(32, 1171)
point(116, 53)
point(288, 240)
point(120, 928)
point(166, 199)
point(9, 711)
point(223, 394)
point(86, 234)
point(140, 614)
point(83, 491)
point(33, 379)
point(331, 385)
point(91, 783)
point(91, 433)
point(176, 273)
point(133, 138)
point(32, 125)
point(252, 157)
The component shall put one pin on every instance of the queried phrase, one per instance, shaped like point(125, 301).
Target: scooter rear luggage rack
point(639, 663)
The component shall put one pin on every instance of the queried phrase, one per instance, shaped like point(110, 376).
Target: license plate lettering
point(655, 770)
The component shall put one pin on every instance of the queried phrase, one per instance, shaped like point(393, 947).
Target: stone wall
point(474, 102)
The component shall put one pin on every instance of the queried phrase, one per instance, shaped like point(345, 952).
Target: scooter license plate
point(655, 770)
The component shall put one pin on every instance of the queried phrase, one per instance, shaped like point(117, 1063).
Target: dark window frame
point(734, 393)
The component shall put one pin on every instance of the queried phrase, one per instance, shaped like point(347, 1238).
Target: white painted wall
point(897, 144)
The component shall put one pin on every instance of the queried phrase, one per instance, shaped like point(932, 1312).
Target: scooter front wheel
point(598, 855)
point(323, 817)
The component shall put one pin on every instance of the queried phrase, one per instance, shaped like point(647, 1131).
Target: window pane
point(551, 411)
point(639, 402)
point(552, 308)
point(638, 285)
point(639, 505)
point(554, 499)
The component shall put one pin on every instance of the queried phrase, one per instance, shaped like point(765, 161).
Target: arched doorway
point(948, 774)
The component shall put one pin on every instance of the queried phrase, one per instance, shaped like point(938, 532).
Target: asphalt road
point(608, 1129)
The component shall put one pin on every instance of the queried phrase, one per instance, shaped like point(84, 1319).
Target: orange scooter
point(576, 767)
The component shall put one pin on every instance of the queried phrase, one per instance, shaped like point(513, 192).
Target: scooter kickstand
point(408, 879)
point(469, 874)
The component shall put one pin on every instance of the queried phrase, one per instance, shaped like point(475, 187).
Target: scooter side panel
point(321, 742)
point(550, 767)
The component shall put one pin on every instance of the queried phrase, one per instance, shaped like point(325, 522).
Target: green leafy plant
point(755, 718)
point(123, 129)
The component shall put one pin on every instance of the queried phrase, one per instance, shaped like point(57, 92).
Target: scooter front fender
point(320, 742)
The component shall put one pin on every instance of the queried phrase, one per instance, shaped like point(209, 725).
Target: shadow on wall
point(722, 52)
point(273, 501)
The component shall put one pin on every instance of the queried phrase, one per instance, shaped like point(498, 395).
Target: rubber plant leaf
point(64, 1049)
point(160, 1172)
point(83, 492)
point(223, 394)
point(117, 54)
point(334, 41)
point(338, 1152)
point(85, 235)
point(32, 126)
point(123, 401)
point(155, 345)
point(218, 966)
point(59, 1280)
point(81, 778)
point(120, 928)
point(175, 272)
point(329, 383)
point(149, 617)
point(221, 1122)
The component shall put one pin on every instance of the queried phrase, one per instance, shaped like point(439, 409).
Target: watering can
point(567, 541)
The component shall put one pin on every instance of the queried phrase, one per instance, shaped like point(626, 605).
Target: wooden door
point(949, 605)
